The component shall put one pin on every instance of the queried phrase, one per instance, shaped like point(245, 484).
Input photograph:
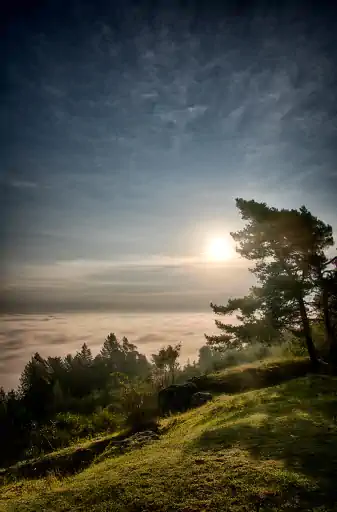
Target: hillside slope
point(270, 449)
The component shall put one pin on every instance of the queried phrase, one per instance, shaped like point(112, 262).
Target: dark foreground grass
point(267, 450)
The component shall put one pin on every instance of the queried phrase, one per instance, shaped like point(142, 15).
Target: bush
point(295, 345)
point(142, 418)
point(139, 405)
point(221, 360)
point(67, 428)
point(105, 420)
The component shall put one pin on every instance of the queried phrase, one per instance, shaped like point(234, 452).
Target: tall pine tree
point(287, 247)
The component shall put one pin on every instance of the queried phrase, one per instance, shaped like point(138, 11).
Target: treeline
point(61, 399)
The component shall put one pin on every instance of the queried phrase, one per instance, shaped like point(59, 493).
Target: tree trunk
point(172, 376)
point(307, 333)
point(333, 350)
point(329, 334)
point(328, 327)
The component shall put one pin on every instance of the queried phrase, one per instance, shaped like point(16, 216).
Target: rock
point(200, 398)
point(176, 398)
point(136, 440)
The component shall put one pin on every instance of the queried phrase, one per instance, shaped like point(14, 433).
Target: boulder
point(176, 398)
point(200, 398)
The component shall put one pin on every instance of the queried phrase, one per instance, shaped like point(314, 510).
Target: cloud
point(80, 269)
point(58, 92)
point(24, 335)
point(152, 282)
point(22, 184)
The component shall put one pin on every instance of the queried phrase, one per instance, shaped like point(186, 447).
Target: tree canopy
point(288, 248)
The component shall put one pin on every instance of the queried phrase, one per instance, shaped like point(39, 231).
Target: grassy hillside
point(259, 374)
point(268, 449)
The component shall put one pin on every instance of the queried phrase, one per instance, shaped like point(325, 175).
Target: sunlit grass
point(268, 449)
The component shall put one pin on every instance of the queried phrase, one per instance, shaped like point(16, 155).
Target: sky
point(129, 128)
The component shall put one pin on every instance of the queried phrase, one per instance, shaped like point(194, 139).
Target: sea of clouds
point(58, 334)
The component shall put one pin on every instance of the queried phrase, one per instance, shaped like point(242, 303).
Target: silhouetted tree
point(285, 244)
point(36, 387)
point(326, 302)
point(14, 426)
point(206, 357)
point(166, 361)
point(122, 356)
point(188, 371)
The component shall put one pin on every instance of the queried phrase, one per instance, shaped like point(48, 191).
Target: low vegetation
point(268, 449)
point(61, 401)
point(256, 375)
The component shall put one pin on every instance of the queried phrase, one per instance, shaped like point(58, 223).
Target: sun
point(219, 249)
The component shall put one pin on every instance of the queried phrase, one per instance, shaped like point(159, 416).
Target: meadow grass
point(265, 450)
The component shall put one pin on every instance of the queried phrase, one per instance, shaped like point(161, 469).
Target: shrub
point(105, 420)
point(67, 428)
point(142, 418)
point(139, 405)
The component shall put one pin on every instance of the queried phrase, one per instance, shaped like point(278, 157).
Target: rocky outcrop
point(176, 398)
point(200, 398)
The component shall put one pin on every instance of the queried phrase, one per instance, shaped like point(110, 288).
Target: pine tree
point(166, 361)
point(36, 383)
point(287, 246)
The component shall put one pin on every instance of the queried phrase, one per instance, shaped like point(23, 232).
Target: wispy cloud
point(57, 92)
point(153, 284)
point(80, 269)
point(22, 184)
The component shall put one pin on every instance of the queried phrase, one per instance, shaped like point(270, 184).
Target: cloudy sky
point(127, 132)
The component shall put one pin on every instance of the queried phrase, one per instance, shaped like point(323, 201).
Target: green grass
point(259, 374)
point(268, 449)
point(67, 460)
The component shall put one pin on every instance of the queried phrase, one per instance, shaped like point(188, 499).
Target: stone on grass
point(200, 398)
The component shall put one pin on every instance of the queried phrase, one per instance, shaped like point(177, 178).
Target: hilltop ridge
point(273, 448)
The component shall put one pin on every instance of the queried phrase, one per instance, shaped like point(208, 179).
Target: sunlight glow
point(219, 249)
